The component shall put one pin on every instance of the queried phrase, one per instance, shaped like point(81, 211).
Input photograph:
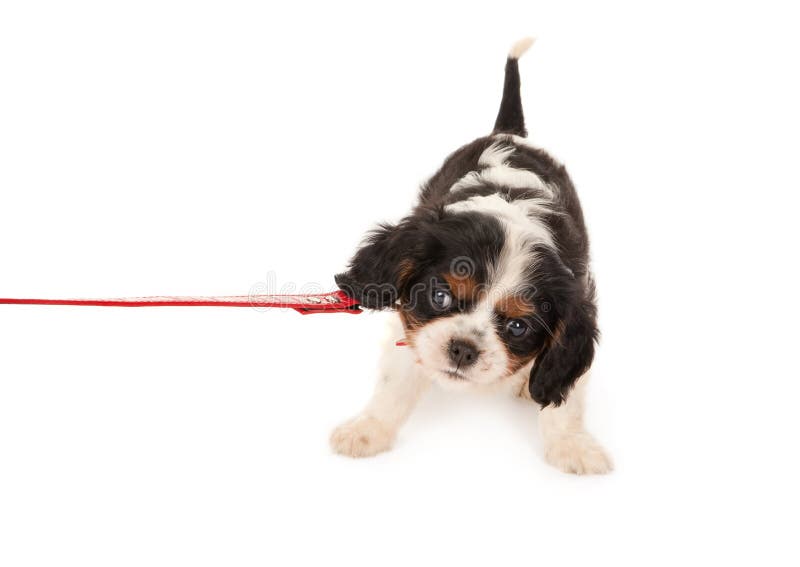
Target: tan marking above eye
point(462, 288)
point(514, 307)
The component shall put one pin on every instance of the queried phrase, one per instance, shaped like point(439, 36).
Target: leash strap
point(305, 304)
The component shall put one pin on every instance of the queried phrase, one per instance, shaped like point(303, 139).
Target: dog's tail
point(510, 119)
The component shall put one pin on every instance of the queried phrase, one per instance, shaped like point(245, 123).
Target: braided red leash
point(306, 304)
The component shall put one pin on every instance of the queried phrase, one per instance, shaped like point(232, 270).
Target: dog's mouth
point(454, 374)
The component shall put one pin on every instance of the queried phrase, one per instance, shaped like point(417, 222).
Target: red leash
point(306, 304)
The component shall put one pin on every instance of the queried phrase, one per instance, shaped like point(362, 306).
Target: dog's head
point(480, 299)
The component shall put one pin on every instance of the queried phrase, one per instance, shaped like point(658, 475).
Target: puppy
point(489, 281)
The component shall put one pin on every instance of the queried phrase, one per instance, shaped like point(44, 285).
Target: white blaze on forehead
point(522, 230)
point(514, 262)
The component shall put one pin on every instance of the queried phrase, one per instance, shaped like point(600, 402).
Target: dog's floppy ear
point(379, 272)
point(568, 355)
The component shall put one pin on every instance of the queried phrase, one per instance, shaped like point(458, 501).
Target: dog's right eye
point(517, 327)
point(441, 299)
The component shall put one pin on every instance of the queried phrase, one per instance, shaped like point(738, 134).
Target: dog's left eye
point(441, 299)
point(517, 327)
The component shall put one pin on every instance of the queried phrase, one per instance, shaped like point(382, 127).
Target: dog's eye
point(441, 298)
point(517, 327)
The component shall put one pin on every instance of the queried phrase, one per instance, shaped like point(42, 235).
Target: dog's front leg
point(399, 386)
point(567, 444)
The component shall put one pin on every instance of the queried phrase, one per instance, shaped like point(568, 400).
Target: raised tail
point(510, 119)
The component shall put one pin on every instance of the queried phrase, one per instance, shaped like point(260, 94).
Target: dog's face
point(466, 330)
point(479, 297)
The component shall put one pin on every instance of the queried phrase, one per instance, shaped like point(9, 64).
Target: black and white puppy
point(489, 279)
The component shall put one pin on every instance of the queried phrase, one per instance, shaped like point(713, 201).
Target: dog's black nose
point(462, 353)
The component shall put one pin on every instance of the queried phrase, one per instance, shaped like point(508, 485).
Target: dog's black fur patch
point(395, 258)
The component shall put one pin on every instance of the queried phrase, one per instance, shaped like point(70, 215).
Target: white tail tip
point(520, 47)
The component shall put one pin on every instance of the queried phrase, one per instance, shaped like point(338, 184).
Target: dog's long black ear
point(568, 356)
point(381, 269)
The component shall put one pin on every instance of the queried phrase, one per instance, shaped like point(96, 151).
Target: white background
point(200, 148)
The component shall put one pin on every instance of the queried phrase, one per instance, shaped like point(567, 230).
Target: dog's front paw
point(578, 454)
point(363, 436)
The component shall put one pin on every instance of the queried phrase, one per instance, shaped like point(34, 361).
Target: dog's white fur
point(497, 171)
point(520, 47)
point(477, 327)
